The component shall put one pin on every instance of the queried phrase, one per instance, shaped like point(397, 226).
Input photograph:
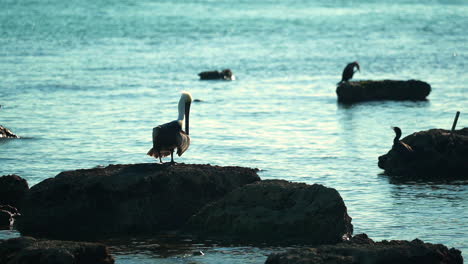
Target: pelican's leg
point(159, 154)
point(172, 157)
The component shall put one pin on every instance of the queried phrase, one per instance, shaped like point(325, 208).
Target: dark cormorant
point(170, 136)
point(349, 71)
point(399, 145)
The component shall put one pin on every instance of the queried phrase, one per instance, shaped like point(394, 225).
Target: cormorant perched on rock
point(399, 145)
point(349, 71)
point(170, 136)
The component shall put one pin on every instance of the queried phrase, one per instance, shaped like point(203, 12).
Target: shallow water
point(84, 82)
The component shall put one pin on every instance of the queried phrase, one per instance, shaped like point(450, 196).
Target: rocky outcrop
point(437, 154)
point(370, 252)
point(5, 219)
point(13, 188)
point(6, 133)
point(349, 92)
point(225, 74)
point(28, 250)
point(275, 212)
point(121, 200)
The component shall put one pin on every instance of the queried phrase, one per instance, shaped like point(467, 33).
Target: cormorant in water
point(349, 71)
point(170, 136)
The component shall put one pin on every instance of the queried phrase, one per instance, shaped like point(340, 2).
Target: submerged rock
point(225, 74)
point(275, 212)
point(349, 92)
point(13, 188)
point(6, 133)
point(437, 154)
point(370, 252)
point(121, 200)
point(28, 250)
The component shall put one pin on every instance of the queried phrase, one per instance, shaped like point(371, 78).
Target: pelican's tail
point(151, 153)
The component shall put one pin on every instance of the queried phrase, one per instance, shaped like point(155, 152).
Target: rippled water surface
point(84, 82)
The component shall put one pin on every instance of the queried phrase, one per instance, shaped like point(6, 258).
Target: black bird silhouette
point(170, 136)
point(349, 71)
point(399, 145)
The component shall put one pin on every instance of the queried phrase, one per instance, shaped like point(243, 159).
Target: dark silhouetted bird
point(170, 136)
point(399, 145)
point(349, 71)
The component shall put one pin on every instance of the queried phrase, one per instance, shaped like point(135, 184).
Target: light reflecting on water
point(84, 86)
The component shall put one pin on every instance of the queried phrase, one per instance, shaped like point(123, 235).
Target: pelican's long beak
point(187, 117)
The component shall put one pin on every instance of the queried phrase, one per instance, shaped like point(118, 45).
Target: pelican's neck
point(181, 110)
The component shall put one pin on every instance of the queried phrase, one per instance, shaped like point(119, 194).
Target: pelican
point(349, 71)
point(399, 145)
point(170, 136)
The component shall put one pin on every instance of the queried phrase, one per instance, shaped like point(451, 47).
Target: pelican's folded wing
point(183, 143)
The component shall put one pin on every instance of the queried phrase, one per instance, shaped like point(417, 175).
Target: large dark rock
point(225, 74)
point(275, 212)
point(367, 251)
point(349, 92)
point(27, 250)
point(121, 200)
point(437, 155)
point(5, 219)
point(6, 133)
point(13, 188)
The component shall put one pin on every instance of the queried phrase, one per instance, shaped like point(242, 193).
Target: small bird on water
point(170, 136)
point(349, 71)
point(399, 145)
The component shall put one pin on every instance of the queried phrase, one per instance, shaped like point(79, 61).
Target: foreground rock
point(275, 212)
point(13, 188)
point(225, 74)
point(27, 250)
point(6, 133)
point(349, 92)
point(437, 155)
point(370, 252)
point(121, 200)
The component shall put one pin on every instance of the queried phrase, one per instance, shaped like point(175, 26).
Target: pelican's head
point(184, 109)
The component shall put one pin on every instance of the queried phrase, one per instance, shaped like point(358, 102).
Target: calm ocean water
point(84, 82)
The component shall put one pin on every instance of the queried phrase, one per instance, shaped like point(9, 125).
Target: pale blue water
point(83, 82)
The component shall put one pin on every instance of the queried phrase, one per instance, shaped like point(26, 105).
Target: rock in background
point(6, 133)
point(437, 155)
point(275, 212)
point(356, 91)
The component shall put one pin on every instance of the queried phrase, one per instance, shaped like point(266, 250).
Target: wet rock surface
point(275, 212)
point(13, 188)
point(437, 154)
point(125, 200)
point(28, 250)
point(365, 250)
point(6, 133)
point(356, 91)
